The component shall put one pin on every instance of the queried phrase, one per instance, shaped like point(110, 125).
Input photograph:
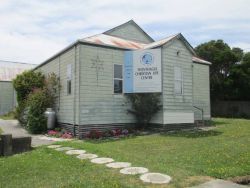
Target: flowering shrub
point(67, 135)
point(52, 133)
point(95, 134)
point(107, 133)
point(125, 132)
point(60, 134)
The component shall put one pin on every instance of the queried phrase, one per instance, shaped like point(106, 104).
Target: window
point(178, 82)
point(69, 78)
point(118, 79)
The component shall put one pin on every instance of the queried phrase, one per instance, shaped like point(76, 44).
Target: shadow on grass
point(216, 123)
point(193, 133)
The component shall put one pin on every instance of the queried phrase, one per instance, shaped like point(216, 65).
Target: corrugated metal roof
point(107, 40)
point(199, 60)
point(9, 70)
point(159, 42)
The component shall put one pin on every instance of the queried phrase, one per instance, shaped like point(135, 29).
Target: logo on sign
point(147, 59)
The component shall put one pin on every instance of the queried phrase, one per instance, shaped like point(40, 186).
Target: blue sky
point(32, 31)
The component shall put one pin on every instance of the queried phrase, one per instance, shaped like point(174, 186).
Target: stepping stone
point(87, 156)
point(155, 178)
point(102, 160)
point(75, 152)
point(134, 170)
point(118, 165)
point(54, 146)
point(64, 149)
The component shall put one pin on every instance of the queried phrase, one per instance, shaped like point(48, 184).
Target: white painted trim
point(117, 79)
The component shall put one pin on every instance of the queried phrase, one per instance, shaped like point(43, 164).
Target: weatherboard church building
point(97, 72)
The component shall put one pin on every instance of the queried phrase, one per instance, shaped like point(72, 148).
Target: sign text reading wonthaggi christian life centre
point(142, 71)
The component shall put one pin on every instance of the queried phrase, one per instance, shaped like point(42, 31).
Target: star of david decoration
point(97, 64)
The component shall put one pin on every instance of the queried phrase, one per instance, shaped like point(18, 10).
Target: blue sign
point(147, 59)
point(142, 71)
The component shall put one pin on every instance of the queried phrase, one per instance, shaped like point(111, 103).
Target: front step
point(200, 123)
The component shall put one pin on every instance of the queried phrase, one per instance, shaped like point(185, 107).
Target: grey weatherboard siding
point(92, 102)
point(7, 99)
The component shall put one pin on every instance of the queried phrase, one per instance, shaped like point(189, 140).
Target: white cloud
point(32, 31)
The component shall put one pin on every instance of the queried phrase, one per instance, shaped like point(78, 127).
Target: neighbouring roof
point(9, 70)
point(109, 32)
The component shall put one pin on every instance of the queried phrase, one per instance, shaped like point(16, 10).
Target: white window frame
point(117, 79)
point(179, 80)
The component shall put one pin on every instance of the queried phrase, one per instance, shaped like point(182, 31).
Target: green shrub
point(37, 103)
point(144, 106)
point(24, 84)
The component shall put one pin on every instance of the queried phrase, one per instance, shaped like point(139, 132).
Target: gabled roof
point(109, 32)
point(9, 70)
point(169, 39)
point(107, 40)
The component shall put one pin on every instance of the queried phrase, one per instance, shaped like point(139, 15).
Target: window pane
point(117, 86)
point(178, 87)
point(69, 72)
point(69, 87)
point(118, 71)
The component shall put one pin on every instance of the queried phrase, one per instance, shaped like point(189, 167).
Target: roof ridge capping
point(126, 23)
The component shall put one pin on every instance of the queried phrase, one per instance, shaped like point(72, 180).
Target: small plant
point(67, 135)
point(144, 106)
point(58, 133)
point(94, 134)
point(107, 133)
point(125, 132)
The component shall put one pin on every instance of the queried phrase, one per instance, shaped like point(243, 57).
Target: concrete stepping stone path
point(64, 149)
point(102, 160)
point(54, 146)
point(155, 178)
point(87, 156)
point(134, 170)
point(118, 165)
point(75, 152)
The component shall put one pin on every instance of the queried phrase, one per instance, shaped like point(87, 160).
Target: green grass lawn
point(188, 157)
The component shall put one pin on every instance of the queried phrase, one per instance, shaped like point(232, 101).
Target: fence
point(234, 109)
point(10, 146)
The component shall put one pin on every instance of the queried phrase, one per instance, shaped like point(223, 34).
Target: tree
point(223, 58)
point(239, 79)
